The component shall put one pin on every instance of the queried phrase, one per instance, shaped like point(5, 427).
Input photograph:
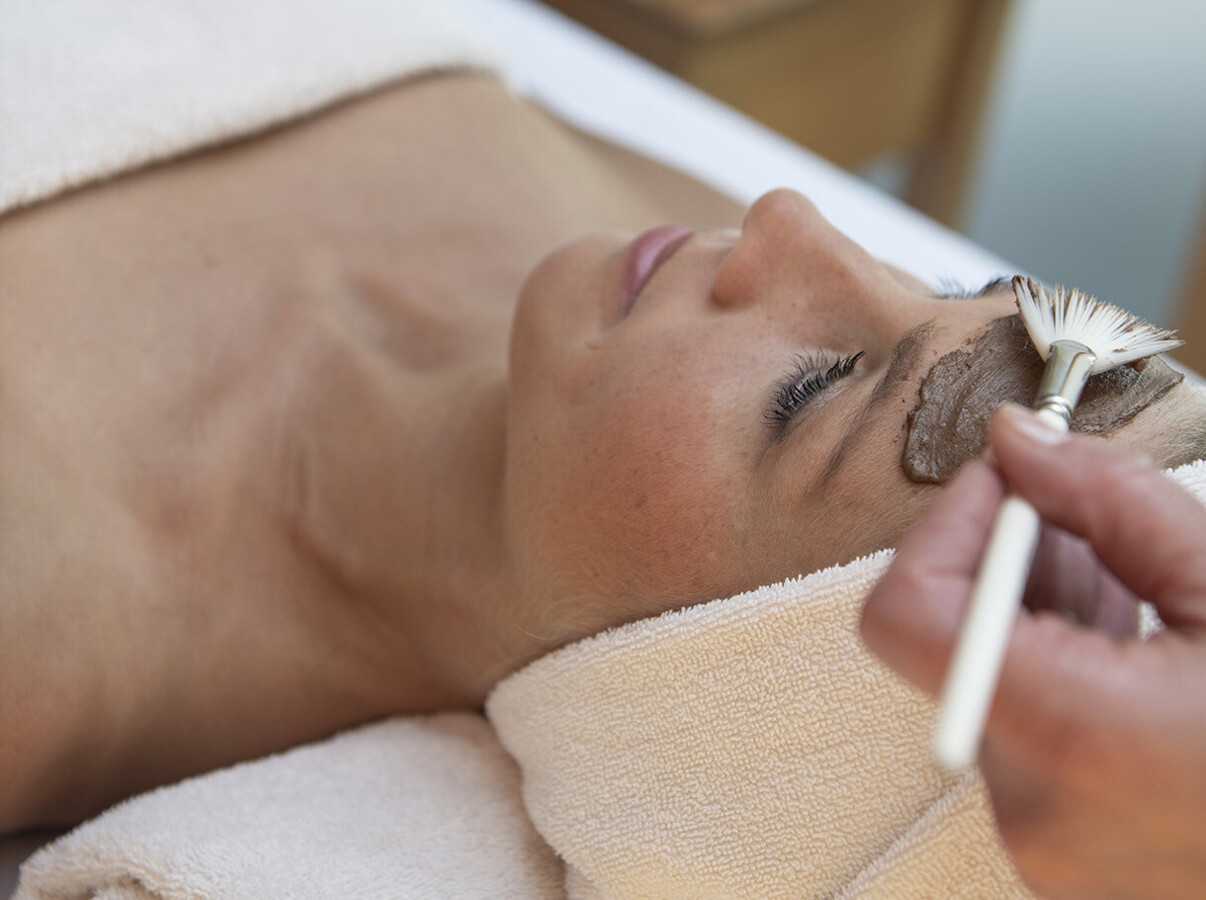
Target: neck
point(400, 445)
point(397, 507)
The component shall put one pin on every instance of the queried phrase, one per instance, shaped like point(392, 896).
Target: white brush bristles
point(1114, 335)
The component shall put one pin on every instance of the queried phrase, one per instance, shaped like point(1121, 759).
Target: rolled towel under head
point(749, 747)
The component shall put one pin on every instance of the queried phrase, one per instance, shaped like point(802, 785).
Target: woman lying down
point(360, 416)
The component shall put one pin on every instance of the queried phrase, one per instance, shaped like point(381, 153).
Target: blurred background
point(1092, 164)
point(1067, 136)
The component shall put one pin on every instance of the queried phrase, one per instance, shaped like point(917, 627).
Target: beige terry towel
point(749, 747)
point(416, 808)
point(89, 89)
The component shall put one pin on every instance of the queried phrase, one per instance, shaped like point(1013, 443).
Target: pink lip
point(645, 254)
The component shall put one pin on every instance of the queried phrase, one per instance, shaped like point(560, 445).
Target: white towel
point(88, 89)
point(419, 807)
point(749, 747)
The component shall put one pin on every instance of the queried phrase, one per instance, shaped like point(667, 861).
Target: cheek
point(874, 505)
point(566, 300)
point(656, 483)
point(635, 491)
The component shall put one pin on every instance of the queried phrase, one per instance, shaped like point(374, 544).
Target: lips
point(645, 255)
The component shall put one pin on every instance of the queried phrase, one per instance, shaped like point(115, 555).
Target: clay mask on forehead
point(962, 390)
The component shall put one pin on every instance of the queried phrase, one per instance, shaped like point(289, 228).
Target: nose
point(800, 270)
point(788, 250)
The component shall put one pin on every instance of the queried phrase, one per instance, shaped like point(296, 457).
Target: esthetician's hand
point(1095, 750)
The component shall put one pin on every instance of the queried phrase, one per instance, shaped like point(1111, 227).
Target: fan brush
point(1077, 337)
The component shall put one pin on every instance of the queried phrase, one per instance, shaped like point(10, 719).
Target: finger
point(912, 616)
point(1061, 690)
point(1067, 579)
point(1051, 839)
point(1147, 530)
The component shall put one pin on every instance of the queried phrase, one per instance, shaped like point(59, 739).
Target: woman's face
point(738, 420)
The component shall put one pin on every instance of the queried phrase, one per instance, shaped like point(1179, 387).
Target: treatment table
point(604, 89)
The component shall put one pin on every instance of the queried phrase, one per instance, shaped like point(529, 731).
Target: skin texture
point(1096, 742)
point(252, 433)
point(642, 469)
point(283, 453)
point(638, 476)
point(963, 389)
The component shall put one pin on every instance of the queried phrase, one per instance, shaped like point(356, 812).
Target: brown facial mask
point(961, 391)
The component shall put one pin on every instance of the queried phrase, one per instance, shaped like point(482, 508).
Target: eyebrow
point(906, 356)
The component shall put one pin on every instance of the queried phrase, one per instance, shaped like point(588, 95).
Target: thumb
point(1144, 528)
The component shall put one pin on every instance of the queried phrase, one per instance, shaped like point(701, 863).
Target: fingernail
point(1030, 427)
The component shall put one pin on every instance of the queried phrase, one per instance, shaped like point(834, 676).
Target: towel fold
point(88, 90)
point(748, 747)
point(417, 807)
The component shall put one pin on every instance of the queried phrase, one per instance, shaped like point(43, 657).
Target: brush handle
point(976, 664)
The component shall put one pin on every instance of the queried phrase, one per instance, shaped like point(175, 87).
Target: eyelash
point(809, 376)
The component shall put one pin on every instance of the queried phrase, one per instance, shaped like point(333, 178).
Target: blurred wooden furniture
point(849, 79)
point(1192, 314)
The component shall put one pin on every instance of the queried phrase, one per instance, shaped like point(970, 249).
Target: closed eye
point(810, 375)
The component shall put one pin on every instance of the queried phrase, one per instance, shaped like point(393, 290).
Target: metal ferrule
point(1069, 365)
